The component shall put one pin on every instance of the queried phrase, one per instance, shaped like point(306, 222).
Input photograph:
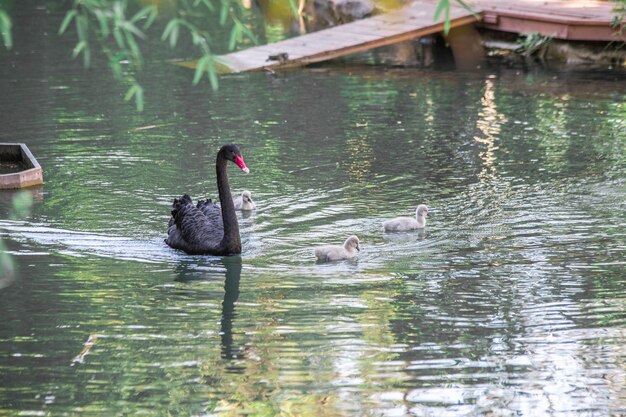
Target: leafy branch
point(116, 33)
point(119, 31)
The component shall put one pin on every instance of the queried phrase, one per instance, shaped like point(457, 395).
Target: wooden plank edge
point(325, 56)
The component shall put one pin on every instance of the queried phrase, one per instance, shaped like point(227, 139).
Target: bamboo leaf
point(129, 27)
point(139, 98)
point(202, 63)
point(119, 38)
point(81, 27)
point(209, 5)
point(196, 39)
point(87, 56)
point(131, 92)
point(134, 49)
point(294, 7)
point(234, 35)
point(66, 21)
point(224, 12)
point(151, 18)
point(446, 24)
point(212, 74)
point(245, 29)
point(104, 24)
point(168, 29)
point(5, 28)
point(174, 36)
point(78, 48)
point(442, 5)
point(468, 8)
point(118, 10)
point(116, 68)
point(144, 12)
point(171, 31)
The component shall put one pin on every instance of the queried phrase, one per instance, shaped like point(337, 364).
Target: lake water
point(512, 301)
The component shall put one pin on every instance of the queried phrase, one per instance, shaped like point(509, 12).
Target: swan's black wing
point(212, 211)
point(192, 231)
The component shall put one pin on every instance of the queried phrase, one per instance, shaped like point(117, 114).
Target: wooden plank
point(559, 18)
point(588, 20)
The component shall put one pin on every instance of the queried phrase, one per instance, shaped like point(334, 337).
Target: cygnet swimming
point(408, 223)
point(245, 201)
point(337, 252)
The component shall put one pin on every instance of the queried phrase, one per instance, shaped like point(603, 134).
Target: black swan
point(207, 229)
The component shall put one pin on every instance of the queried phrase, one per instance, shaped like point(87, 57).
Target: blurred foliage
point(22, 202)
point(118, 28)
point(619, 18)
point(443, 6)
point(532, 42)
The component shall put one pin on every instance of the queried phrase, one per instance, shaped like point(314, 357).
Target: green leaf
point(144, 12)
point(212, 74)
point(131, 92)
point(66, 21)
point(224, 12)
point(118, 10)
point(294, 7)
point(119, 38)
point(468, 8)
point(139, 98)
point(249, 33)
point(234, 35)
point(442, 5)
point(81, 27)
point(134, 49)
point(202, 64)
point(174, 36)
point(171, 31)
point(130, 28)
point(116, 68)
point(196, 39)
point(80, 46)
point(104, 23)
point(209, 5)
point(151, 18)
point(5, 29)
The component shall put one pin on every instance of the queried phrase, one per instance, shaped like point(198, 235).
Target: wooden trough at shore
point(18, 167)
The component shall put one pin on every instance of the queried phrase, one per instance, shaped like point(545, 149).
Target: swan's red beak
point(241, 164)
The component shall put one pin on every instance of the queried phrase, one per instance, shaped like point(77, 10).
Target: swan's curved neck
point(421, 220)
point(231, 241)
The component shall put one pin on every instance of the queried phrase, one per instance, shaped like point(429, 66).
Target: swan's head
point(233, 154)
point(421, 211)
point(352, 243)
point(246, 196)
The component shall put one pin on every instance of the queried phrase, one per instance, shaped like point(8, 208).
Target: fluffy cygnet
point(336, 252)
point(408, 223)
point(245, 201)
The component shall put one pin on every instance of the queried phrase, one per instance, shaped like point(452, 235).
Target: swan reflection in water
point(233, 266)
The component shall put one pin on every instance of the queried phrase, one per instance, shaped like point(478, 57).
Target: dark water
point(511, 302)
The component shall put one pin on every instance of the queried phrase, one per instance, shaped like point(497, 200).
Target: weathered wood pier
point(561, 19)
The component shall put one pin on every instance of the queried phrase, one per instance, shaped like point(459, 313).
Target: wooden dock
point(561, 19)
